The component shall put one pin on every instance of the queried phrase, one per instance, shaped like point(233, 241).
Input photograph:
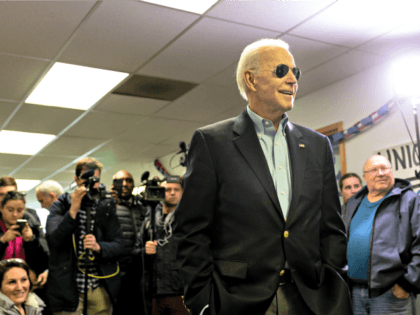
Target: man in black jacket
point(166, 285)
point(69, 243)
point(131, 214)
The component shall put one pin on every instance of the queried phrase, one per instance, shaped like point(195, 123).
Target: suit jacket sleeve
point(333, 237)
point(193, 224)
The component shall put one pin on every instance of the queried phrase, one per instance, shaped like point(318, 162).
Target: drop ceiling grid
point(204, 50)
point(38, 29)
point(122, 37)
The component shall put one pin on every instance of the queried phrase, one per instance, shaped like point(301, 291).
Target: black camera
point(152, 192)
point(91, 192)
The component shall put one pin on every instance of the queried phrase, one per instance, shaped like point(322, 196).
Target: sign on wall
point(404, 160)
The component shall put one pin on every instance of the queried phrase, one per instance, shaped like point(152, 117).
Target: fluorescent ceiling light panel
point(406, 76)
point(27, 184)
point(26, 143)
point(194, 6)
point(72, 86)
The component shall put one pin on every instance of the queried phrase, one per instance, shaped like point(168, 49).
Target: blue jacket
point(395, 241)
point(61, 286)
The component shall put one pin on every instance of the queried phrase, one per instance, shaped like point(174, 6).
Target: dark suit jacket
point(230, 227)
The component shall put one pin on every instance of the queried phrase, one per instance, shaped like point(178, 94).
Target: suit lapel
point(298, 155)
point(248, 144)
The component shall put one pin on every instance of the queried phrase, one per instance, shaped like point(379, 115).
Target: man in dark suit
point(258, 227)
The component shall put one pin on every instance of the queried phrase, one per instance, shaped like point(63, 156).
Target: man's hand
point(400, 292)
point(27, 233)
point(76, 201)
point(10, 234)
point(89, 242)
point(151, 247)
point(114, 194)
point(42, 279)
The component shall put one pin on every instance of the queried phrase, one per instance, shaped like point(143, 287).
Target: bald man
point(383, 224)
point(131, 214)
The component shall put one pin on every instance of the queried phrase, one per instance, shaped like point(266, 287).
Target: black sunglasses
point(15, 193)
point(281, 70)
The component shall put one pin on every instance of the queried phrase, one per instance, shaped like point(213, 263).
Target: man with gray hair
point(259, 228)
point(48, 192)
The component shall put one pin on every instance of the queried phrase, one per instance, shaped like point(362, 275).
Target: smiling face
point(128, 183)
point(15, 285)
point(378, 176)
point(271, 95)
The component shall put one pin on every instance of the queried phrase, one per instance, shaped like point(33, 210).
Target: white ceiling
point(331, 40)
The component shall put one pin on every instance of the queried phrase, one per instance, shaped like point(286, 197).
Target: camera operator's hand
point(76, 200)
point(27, 233)
point(151, 247)
point(41, 280)
point(114, 194)
point(10, 234)
point(89, 242)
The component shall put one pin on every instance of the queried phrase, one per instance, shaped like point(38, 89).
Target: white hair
point(50, 186)
point(250, 60)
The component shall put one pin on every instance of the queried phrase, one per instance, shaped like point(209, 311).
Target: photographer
point(131, 214)
point(69, 243)
point(22, 240)
point(165, 285)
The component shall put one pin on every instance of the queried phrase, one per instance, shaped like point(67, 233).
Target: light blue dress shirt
point(276, 152)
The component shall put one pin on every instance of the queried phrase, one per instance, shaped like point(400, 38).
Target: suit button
point(282, 272)
point(286, 234)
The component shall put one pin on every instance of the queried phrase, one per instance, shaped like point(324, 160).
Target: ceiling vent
point(156, 88)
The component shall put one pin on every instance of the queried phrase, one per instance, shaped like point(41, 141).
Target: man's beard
point(169, 204)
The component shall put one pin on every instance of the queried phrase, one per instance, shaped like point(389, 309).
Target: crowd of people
point(253, 227)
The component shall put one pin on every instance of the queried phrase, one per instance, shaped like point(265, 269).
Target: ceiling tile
point(42, 119)
point(309, 53)
point(11, 161)
point(18, 75)
point(226, 77)
point(155, 130)
point(335, 70)
point(158, 151)
point(120, 151)
point(350, 22)
point(123, 35)
point(130, 105)
point(273, 15)
point(101, 125)
point(70, 146)
point(230, 113)
point(31, 174)
point(206, 49)
point(397, 43)
point(45, 163)
point(203, 102)
point(6, 108)
point(39, 28)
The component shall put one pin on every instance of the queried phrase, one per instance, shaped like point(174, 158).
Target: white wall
point(351, 100)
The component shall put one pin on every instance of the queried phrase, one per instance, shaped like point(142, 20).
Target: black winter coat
point(166, 279)
point(62, 289)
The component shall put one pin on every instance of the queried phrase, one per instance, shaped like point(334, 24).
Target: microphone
point(183, 148)
point(145, 176)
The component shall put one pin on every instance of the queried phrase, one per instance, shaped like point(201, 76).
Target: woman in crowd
point(29, 243)
point(15, 295)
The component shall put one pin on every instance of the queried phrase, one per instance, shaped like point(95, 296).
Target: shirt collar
point(259, 121)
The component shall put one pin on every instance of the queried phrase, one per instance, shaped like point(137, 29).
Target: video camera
point(91, 192)
point(152, 192)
